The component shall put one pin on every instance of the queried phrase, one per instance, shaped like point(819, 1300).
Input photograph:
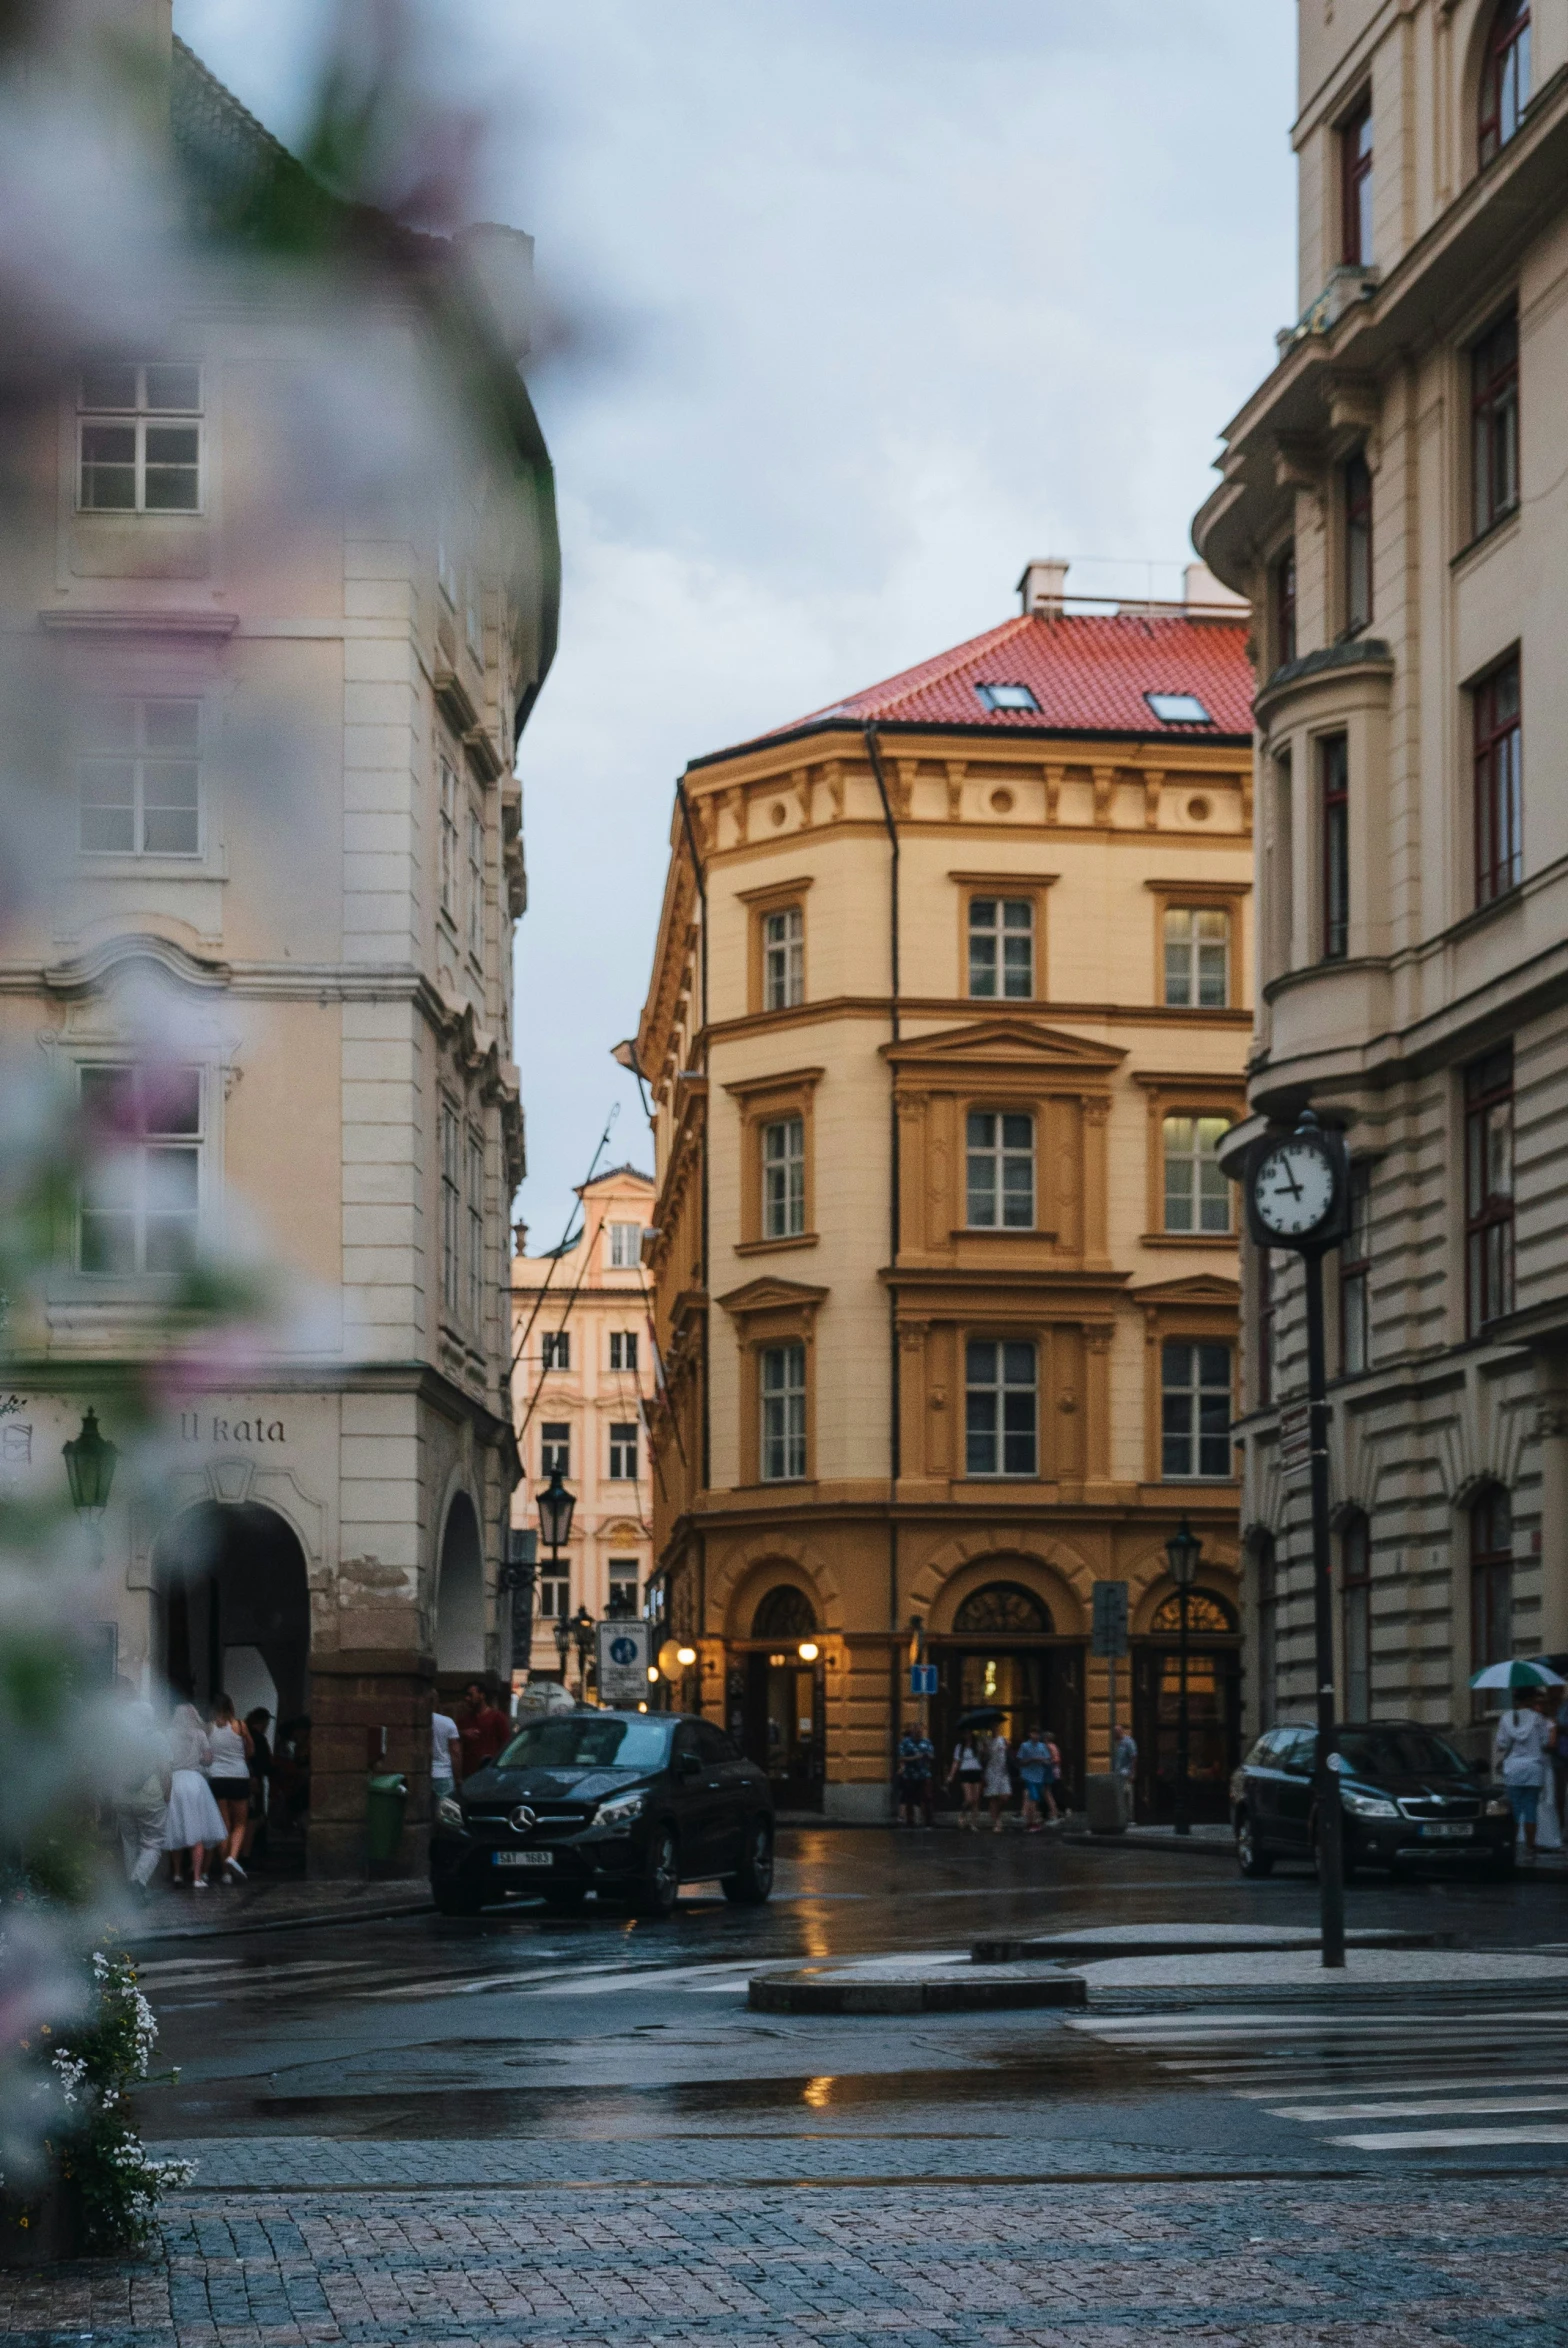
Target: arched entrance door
point(782, 1702)
point(1213, 1708)
point(232, 1601)
point(460, 1597)
point(1003, 1651)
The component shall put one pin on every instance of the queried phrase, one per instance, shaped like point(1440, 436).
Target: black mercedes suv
point(1406, 1794)
point(631, 1804)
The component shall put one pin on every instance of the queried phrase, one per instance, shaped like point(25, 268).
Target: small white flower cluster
point(70, 2071)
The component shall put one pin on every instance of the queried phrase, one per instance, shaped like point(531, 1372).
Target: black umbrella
point(983, 1716)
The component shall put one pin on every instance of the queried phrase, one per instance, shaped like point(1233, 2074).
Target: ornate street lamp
point(1182, 1552)
point(89, 1468)
point(555, 1505)
point(583, 1630)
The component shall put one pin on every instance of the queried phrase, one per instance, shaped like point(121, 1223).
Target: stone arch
point(784, 1612)
point(741, 1581)
point(964, 1565)
point(231, 1596)
point(1219, 1570)
point(460, 1590)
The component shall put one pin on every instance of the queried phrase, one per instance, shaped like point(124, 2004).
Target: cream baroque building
point(948, 1015)
point(1393, 500)
point(582, 1381)
point(291, 829)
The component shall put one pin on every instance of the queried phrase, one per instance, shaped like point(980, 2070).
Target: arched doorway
point(1004, 1651)
point(782, 1708)
point(1213, 1708)
point(232, 1602)
point(460, 1594)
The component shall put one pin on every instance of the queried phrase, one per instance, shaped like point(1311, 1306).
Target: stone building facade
point(289, 862)
point(948, 1014)
point(1391, 501)
point(582, 1384)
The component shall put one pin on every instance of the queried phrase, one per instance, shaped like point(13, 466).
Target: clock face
point(1293, 1189)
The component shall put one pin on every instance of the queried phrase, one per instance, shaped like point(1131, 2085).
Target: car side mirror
point(688, 1765)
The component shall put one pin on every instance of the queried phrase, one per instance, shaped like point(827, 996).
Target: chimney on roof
point(1043, 586)
point(1201, 591)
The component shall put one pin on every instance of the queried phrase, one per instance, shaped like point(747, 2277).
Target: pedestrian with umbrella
point(1524, 1738)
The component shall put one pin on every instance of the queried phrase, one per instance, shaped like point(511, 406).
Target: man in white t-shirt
point(444, 1749)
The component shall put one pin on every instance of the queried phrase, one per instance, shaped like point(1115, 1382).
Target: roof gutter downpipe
point(895, 1184)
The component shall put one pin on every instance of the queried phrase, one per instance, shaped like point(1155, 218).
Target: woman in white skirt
point(195, 1821)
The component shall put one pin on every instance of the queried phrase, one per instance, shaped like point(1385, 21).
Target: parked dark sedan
point(629, 1803)
point(1406, 1795)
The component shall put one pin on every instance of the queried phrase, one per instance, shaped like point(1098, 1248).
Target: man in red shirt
point(483, 1728)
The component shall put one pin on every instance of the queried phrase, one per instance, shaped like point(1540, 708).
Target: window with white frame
point(782, 1395)
point(999, 1175)
point(1197, 1195)
point(554, 1594)
point(139, 433)
point(623, 1349)
point(1195, 1411)
point(625, 1246)
point(555, 1350)
point(139, 777)
point(474, 1265)
point(451, 1210)
point(1001, 948)
point(623, 1451)
point(1001, 1408)
point(555, 1449)
point(448, 845)
point(624, 1578)
point(139, 1205)
point(784, 1178)
point(476, 881)
point(1197, 957)
point(784, 958)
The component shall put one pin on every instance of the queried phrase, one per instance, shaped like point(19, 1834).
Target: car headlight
point(448, 1812)
point(622, 1810)
point(1368, 1805)
point(1499, 1807)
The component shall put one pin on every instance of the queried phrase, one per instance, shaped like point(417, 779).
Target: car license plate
point(1449, 1831)
point(528, 1858)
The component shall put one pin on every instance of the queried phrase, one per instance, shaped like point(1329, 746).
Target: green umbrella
point(1521, 1674)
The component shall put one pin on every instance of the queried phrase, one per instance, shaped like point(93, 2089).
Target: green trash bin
point(384, 1807)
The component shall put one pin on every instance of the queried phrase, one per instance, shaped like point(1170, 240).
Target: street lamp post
point(583, 1628)
point(89, 1469)
point(1182, 1552)
point(555, 1505)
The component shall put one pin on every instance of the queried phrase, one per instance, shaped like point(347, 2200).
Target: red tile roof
point(1088, 672)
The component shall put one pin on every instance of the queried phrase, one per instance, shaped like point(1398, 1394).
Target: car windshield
point(578, 1740)
point(1400, 1752)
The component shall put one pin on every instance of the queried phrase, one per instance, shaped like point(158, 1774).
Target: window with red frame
point(1355, 166)
point(1285, 607)
point(1494, 427)
point(1491, 1582)
point(1355, 1597)
point(1334, 764)
point(1358, 545)
point(1505, 77)
point(1499, 785)
point(1489, 1188)
point(1267, 1296)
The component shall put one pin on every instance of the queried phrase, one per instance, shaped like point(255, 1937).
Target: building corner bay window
point(140, 1199)
point(784, 1178)
point(1197, 957)
point(1001, 948)
point(1001, 1408)
point(1195, 1411)
point(1505, 78)
point(1499, 785)
point(784, 958)
point(1197, 1195)
point(782, 1399)
point(138, 778)
point(999, 1175)
point(1489, 1188)
point(1355, 1567)
point(1334, 791)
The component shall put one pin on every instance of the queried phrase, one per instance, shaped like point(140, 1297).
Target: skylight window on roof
point(1178, 709)
point(1008, 697)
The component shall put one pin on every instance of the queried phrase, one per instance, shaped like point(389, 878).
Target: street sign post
point(623, 1659)
point(924, 1679)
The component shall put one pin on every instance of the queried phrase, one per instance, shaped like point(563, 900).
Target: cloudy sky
point(879, 298)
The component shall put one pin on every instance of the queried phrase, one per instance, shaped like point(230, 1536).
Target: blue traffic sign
point(923, 1679)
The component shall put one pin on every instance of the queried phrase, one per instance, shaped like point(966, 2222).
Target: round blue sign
point(623, 1650)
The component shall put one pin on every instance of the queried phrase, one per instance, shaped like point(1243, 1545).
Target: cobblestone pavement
point(1342, 2264)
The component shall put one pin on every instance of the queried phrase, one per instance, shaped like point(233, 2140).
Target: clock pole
point(1331, 1837)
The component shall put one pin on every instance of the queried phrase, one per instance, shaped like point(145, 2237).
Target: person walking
point(916, 1761)
point(483, 1729)
point(998, 1779)
point(195, 1823)
point(1036, 1775)
point(1519, 1756)
point(257, 1722)
point(446, 1754)
point(228, 1774)
point(141, 1786)
point(968, 1769)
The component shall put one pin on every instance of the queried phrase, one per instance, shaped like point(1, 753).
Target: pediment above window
point(1007, 1043)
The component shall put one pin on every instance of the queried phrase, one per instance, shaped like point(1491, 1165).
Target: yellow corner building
point(949, 1013)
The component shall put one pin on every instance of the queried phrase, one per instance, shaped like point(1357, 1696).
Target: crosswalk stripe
point(1449, 2139)
point(1477, 2108)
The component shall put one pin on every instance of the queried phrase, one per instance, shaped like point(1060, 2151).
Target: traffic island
point(1185, 1940)
point(877, 1988)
